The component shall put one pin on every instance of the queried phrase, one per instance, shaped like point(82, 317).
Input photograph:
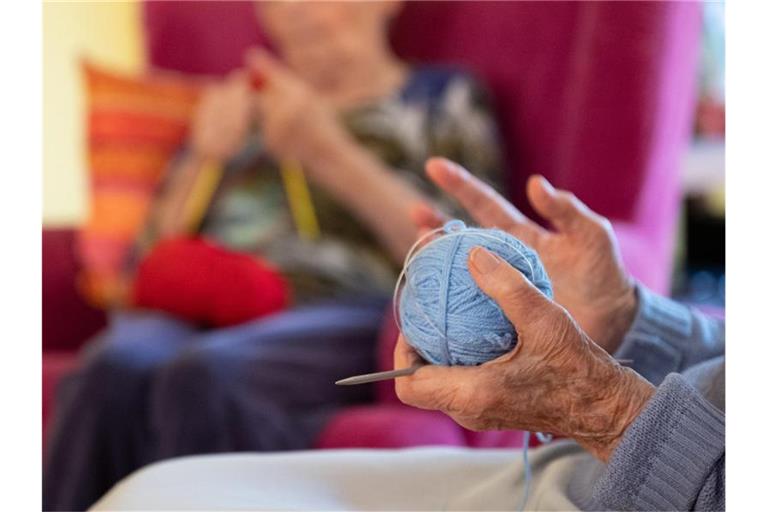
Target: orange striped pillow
point(135, 126)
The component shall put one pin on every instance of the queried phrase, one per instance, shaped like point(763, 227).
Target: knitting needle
point(392, 374)
point(377, 376)
point(299, 199)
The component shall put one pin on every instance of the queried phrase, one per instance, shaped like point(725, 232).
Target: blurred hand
point(555, 380)
point(580, 253)
point(295, 121)
point(223, 118)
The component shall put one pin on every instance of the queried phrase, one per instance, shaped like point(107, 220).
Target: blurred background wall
point(108, 33)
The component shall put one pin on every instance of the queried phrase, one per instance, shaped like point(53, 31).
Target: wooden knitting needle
point(404, 372)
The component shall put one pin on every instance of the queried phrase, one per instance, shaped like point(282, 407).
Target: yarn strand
point(526, 470)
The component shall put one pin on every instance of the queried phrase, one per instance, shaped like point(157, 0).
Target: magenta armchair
point(596, 96)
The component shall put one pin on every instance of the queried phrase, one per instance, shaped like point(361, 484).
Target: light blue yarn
point(444, 315)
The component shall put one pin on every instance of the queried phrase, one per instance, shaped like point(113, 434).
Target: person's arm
point(613, 412)
point(667, 337)
point(376, 195)
point(672, 457)
point(663, 447)
point(555, 380)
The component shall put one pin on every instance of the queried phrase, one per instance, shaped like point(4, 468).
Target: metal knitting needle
point(377, 376)
point(404, 372)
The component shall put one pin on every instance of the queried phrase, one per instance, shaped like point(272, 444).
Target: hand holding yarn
point(443, 313)
point(579, 252)
point(554, 380)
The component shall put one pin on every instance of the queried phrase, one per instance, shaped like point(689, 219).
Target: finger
point(212, 95)
point(238, 77)
point(431, 387)
point(238, 89)
point(427, 217)
point(484, 204)
point(561, 208)
point(522, 303)
point(257, 77)
point(267, 70)
point(405, 355)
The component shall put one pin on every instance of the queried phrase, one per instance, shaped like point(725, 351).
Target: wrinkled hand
point(222, 118)
point(580, 253)
point(555, 380)
point(294, 120)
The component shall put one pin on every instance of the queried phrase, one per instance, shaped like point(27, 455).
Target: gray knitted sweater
point(673, 456)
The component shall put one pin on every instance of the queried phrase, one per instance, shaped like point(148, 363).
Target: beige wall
point(108, 33)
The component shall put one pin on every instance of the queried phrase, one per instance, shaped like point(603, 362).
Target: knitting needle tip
point(375, 377)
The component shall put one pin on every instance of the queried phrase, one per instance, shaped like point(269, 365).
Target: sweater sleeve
point(668, 337)
point(671, 458)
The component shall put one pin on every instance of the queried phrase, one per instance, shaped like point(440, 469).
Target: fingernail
point(451, 167)
point(484, 261)
point(546, 185)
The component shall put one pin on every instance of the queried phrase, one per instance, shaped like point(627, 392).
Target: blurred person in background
point(360, 123)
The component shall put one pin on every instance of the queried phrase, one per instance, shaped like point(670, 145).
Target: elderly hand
point(294, 121)
point(580, 253)
point(555, 380)
point(222, 118)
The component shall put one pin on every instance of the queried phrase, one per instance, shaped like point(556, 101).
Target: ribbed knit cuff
point(667, 453)
point(657, 336)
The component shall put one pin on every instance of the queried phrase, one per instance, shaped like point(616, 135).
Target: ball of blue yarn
point(443, 314)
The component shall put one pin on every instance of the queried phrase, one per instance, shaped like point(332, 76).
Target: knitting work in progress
point(442, 312)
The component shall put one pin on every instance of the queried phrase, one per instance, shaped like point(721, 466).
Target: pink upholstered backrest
point(596, 96)
point(206, 37)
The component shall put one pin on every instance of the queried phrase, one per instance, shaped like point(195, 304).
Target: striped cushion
point(135, 126)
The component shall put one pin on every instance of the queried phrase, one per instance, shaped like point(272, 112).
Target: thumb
point(522, 303)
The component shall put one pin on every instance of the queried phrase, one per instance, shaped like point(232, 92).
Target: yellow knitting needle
point(299, 199)
point(199, 199)
point(296, 190)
